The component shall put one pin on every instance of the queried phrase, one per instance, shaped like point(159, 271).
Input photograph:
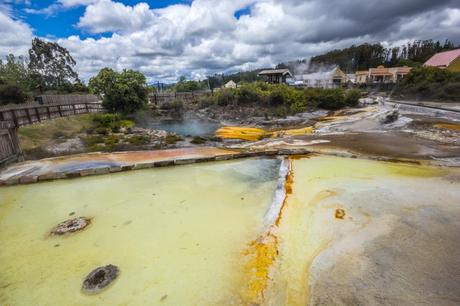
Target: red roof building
point(446, 60)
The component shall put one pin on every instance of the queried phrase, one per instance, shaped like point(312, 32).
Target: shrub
point(430, 83)
point(331, 99)
point(105, 120)
point(102, 131)
point(111, 140)
point(139, 140)
point(226, 97)
point(198, 140)
point(172, 139)
point(206, 101)
point(352, 97)
point(246, 95)
point(12, 94)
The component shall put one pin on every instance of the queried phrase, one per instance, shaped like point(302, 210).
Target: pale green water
point(177, 235)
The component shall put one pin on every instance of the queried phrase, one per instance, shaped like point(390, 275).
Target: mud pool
point(317, 230)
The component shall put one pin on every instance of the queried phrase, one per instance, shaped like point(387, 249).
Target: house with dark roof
point(445, 60)
point(275, 76)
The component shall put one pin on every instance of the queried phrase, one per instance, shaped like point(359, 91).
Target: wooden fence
point(159, 99)
point(10, 150)
point(49, 108)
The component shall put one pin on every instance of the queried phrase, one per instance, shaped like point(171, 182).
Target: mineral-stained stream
point(317, 230)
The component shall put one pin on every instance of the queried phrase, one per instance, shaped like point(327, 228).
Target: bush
point(139, 140)
point(198, 140)
point(176, 105)
point(247, 95)
point(331, 99)
point(172, 139)
point(110, 122)
point(12, 94)
point(352, 97)
point(430, 83)
point(206, 101)
point(225, 97)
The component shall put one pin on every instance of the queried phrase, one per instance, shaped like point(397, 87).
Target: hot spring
point(315, 230)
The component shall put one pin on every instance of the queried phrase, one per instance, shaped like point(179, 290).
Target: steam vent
point(70, 226)
point(99, 279)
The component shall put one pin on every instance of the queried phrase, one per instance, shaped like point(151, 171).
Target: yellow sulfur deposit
point(244, 133)
point(255, 134)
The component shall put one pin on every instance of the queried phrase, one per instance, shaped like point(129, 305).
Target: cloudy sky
point(166, 39)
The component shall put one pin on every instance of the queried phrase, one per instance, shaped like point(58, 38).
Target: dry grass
point(42, 134)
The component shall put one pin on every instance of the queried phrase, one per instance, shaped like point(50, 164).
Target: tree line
point(365, 56)
point(48, 67)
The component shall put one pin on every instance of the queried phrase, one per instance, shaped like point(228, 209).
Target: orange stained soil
point(340, 213)
point(448, 126)
point(147, 156)
point(262, 254)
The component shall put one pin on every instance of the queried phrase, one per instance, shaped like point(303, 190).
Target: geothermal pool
point(187, 127)
point(336, 231)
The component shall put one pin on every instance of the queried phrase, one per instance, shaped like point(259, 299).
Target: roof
point(401, 70)
point(231, 82)
point(362, 72)
point(380, 70)
point(443, 59)
point(275, 71)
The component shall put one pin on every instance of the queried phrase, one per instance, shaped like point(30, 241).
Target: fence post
point(74, 109)
point(86, 106)
point(2, 118)
point(28, 115)
point(37, 113)
point(59, 110)
point(15, 119)
point(48, 112)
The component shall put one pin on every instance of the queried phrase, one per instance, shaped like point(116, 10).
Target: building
point(362, 77)
point(275, 76)
point(382, 74)
point(351, 78)
point(322, 79)
point(230, 84)
point(445, 60)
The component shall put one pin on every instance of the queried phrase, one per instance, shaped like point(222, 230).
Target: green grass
point(38, 135)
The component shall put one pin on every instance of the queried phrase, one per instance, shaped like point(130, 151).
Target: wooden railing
point(14, 116)
point(29, 113)
point(10, 150)
point(187, 97)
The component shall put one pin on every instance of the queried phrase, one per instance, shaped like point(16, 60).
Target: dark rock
point(70, 226)
point(99, 279)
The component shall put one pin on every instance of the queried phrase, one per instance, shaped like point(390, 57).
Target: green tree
point(51, 65)
point(15, 81)
point(124, 92)
point(100, 84)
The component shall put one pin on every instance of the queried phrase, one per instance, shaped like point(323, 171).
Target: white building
point(230, 84)
point(324, 79)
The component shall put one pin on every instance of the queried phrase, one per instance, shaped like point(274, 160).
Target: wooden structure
point(51, 107)
point(275, 76)
point(10, 151)
point(158, 99)
point(16, 115)
point(382, 75)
